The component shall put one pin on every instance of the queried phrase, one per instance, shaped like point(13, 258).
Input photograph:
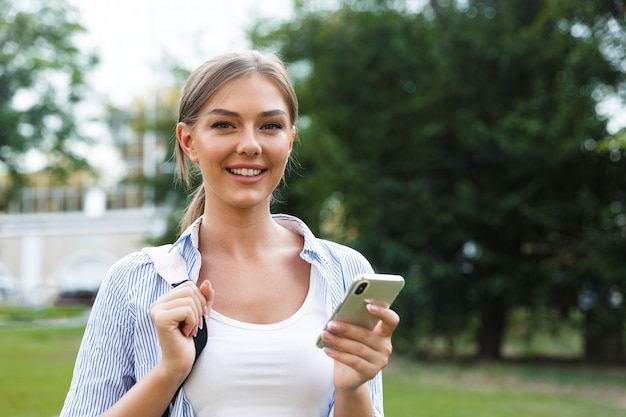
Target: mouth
point(246, 172)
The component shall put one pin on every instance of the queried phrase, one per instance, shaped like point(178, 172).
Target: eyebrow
point(230, 113)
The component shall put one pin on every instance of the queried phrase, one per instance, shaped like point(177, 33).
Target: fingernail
point(201, 323)
point(205, 312)
point(333, 325)
point(372, 308)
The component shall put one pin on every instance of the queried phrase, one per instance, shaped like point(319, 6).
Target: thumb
point(207, 290)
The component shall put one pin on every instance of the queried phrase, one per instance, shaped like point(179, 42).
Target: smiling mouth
point(246, 172)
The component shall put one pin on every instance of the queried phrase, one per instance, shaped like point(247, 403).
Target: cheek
point(284, 151)
point(211, 149)
point(209, 158)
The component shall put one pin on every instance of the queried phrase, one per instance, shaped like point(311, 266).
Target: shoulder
point(341, 265)
point(332, 257)
point(130, 265)
point(348, 257)
point(129, 275)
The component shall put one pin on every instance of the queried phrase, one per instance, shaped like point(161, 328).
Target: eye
point(272, 126)
point(221, 125)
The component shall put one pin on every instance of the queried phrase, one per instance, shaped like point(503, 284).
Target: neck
point(239, 233)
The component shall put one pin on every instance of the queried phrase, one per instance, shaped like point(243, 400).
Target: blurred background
point(477, 147)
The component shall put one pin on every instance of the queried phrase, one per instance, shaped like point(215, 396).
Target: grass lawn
point(37, 361)
point(36, 368)
point(503, 390)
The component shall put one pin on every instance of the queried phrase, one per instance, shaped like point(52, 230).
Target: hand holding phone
point(381, 288)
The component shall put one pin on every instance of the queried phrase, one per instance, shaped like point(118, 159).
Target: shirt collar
point(190, 235)
point(312, 251)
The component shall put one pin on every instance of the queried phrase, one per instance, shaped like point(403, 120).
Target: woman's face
point(241, 142)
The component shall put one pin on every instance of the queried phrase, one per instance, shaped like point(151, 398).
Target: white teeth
point(246, 172)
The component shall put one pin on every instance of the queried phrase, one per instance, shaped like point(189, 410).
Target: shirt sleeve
point(375, 386)
point(104, 368)
point(351, 263)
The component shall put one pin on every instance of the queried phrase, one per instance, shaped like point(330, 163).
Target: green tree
point(155, 115)
point(42, 78)
point(459, 141)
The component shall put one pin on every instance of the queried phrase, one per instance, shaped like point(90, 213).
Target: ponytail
point(195, 209)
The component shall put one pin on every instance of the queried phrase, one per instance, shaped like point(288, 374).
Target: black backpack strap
point(171, 266)
point(199, 341)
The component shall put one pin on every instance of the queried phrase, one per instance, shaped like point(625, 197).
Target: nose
point(249, 143)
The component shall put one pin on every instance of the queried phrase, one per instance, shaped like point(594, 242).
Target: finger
point(192, 293)
point(352, 338)
point(209, 293)
point(188, 289)
point(190, 324)
point(360, 365)
point(389, 319)
point(176, 314)
point(339, 336)
point(362, 358)
point(358, 341)
point(186, 294)
point(207, 290)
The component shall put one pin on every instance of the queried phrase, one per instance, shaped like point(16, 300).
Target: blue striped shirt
point(120, 343)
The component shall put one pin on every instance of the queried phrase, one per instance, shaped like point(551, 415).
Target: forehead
point(245, 89)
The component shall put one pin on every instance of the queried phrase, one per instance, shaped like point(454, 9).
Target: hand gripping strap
point(171, 266)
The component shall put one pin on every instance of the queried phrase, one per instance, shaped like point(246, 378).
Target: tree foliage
point(155, 115)
point(42, 78)
point(458, 143)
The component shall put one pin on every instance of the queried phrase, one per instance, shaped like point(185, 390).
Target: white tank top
point(264, 370)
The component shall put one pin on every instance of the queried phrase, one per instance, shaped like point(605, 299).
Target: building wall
point(42, 254)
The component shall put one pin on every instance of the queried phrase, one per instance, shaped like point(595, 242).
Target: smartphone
point(383, 288)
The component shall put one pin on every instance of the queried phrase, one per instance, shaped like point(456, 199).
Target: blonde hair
point(202, 85)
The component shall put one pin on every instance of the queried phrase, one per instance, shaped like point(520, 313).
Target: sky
point(132, 36)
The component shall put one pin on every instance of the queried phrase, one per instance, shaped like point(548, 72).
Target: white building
point(45, 252)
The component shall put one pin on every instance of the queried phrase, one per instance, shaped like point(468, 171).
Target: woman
point(264, 282)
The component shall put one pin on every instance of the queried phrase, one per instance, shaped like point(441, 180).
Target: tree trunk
point(491, 331)
point(604, 337)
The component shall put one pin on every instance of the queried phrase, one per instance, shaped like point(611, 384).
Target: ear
point(185, 140)
point(293, 137)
